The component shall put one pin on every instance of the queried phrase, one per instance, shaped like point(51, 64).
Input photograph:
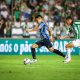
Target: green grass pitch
point(48, 67)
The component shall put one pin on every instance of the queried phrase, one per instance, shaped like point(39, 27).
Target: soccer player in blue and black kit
point(45, 38)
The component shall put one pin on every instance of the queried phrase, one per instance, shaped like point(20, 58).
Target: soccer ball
point(26, 61)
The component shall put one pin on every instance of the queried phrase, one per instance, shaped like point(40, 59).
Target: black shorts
point(44, 42)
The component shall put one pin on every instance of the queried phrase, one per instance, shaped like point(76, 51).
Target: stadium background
point(16, 16)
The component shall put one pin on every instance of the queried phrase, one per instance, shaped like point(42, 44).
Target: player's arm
point(33, 29)
point(50, 34)
point(66, 36)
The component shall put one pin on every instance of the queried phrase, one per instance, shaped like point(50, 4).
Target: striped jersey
point(43, 29)
point(75, 29)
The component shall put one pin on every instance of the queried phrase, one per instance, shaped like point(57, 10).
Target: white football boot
point(67, 60)
point(68, 56)
point(33, 61)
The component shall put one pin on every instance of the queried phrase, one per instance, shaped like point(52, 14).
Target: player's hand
point(27, 30)
point(61, 37)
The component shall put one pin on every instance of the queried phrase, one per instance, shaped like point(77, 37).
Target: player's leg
point(68, 54)
point(36, 45)
point(33, 53)
point(33, 50)
point(75, 43)
point(68, 50)
point(51, 49)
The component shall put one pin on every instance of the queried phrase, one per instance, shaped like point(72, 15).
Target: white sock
point(68, 55)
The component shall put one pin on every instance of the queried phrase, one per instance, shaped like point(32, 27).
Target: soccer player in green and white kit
point(75, 30)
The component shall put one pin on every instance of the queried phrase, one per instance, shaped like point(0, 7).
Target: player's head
point(39, 18)
point(69, 20)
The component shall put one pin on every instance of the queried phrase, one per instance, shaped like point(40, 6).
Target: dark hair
point(69, 17)
point(37, 16)
point(17, 19)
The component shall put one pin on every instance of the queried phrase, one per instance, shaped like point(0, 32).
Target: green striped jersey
point(75, 29)
point(76, 25)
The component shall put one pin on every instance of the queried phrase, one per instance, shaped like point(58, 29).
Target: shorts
point(76, 43)
point(44, 42)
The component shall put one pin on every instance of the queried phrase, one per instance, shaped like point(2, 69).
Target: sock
point(68, 53)
point(33, 53)
point(58, 52)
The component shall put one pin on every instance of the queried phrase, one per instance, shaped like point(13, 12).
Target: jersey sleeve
point(41, 25)
point(72, 31)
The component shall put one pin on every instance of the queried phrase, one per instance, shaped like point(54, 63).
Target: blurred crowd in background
point(18, 15)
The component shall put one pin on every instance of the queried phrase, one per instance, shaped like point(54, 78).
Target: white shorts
point(76, 43)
